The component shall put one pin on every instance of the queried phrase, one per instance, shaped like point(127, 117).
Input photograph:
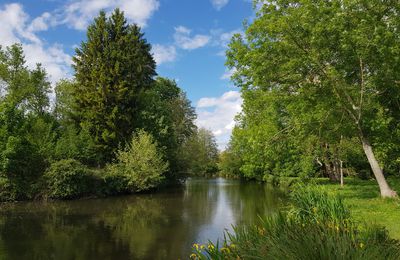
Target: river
point(163, 225)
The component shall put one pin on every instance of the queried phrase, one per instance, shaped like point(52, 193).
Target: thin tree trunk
point(386, 191)
point(341, 174)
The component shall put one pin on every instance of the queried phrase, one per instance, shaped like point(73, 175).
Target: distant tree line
point(113, 128)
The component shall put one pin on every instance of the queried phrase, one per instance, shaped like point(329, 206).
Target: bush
point(6, 191)
point(22, 166)
point(141, 164)
point(318, 227)
point(114, 183)
point(68, 179)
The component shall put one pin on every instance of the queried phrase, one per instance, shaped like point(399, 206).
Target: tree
point(201, 153)
point(111, 68)
point(167, 114)
point(141, 163)
point(329, 57)
point(25, 126)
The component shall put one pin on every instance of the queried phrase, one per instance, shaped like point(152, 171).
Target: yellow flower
point(196, 246)
point(233, 245)
point(202, 247)
point(261, 231)
point(193, 256)
point(225, 249)
point(210, 246)
point(361, 245)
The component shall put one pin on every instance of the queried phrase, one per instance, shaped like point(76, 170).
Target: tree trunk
point(341, 174)
point(386, 191)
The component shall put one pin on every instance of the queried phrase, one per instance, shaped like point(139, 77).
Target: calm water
point(157, 226)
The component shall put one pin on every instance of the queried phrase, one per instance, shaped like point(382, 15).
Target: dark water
point(157, 226)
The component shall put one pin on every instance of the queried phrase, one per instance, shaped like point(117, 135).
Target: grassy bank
point(363, 200)
point(317, 225)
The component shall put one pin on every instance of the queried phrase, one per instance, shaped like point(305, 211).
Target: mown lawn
point(362, 197)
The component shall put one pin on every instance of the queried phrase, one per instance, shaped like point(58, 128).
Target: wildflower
point(225, 249)
point(193, 256)
point(210, 247)
point(202, 247)
point(232, 245)
point(261, 231)
point(361, 245)
point(196, 246)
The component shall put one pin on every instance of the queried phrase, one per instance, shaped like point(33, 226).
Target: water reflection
point(158, 226)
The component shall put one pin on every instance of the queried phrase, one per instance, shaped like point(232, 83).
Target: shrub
point(140, 163)
point(6, 191)
point(114, 183)
point(67, 179)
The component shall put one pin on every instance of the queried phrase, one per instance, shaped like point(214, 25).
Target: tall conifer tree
point(111, 68)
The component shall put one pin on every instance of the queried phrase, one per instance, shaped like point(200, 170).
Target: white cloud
point(13, 25)
point(221, 39)
point(218, 4)
point(163, 53)
point(217, 114)
point(79, 13)
point(53, 58)
point(41, 23)
point(228, 74)
point(185, 41)
point(17, 27)
point(225, 37)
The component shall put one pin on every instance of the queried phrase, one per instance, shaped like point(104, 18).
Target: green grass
point(363, 200)
point(317, 225)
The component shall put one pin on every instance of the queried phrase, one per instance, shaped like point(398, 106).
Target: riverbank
point(363, 199)
point(317, 225)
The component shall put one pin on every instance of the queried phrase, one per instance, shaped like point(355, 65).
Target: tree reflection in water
point(149, 226)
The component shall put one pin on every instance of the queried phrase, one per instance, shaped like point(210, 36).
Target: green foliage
point(321, 228)
point(141, 163)
point(26, 129)
point(201, 153)
point(111, 69)
point(113, 94)
point(76, 144)
point(229, 163)
point(312, 203)
point(315, 82)
point(166, 113)
point(67, 179)
point(65, 104)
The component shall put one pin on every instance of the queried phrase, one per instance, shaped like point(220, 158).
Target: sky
point(188, 38)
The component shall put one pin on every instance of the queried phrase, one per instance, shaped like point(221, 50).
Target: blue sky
point(189, 38)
